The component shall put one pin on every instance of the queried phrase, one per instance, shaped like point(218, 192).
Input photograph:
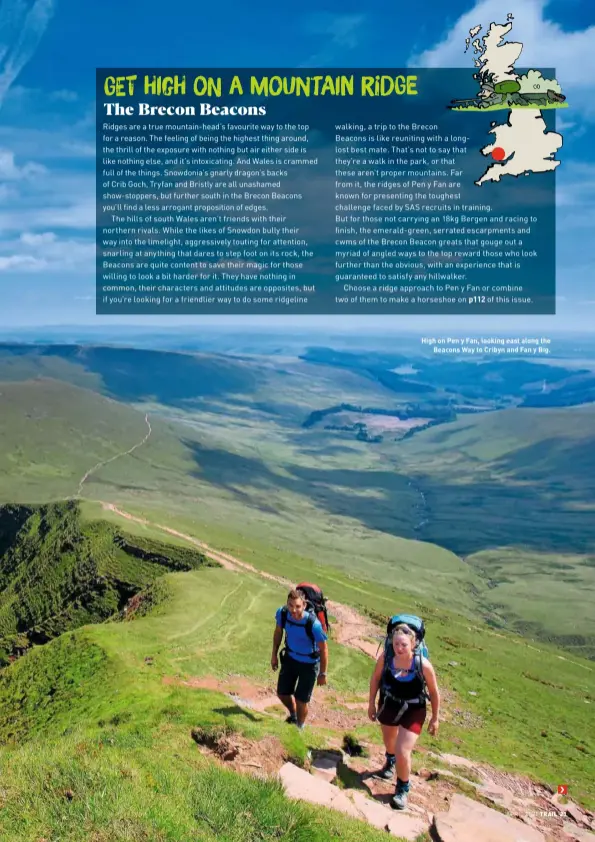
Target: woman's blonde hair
point(404, 629)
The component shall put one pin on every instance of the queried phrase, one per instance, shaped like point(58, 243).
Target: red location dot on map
point(498, 154)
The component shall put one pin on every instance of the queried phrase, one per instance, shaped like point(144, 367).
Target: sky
point(50, 49)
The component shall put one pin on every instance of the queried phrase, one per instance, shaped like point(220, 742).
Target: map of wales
point(522, 145)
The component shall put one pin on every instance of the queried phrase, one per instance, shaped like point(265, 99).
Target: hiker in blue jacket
point(405, 679)
point(304, 659)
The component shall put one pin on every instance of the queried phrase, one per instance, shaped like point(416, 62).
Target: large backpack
point(421, 651)
point(316, 610)
point(316, 603)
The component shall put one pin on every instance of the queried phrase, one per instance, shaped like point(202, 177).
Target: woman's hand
point(433, 726)
point(372, 711)
point(274, 663)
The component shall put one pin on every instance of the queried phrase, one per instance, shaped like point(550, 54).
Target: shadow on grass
point(236, 711)
point(464, 517)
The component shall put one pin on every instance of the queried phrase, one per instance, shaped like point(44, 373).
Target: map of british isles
point(522, 145)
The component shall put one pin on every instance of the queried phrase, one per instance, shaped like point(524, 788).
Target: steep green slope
point(223, 470)
point(105, 714)
point(95, 728)
point(58, 572)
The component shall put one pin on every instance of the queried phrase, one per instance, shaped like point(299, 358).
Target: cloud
point(10, 171)
point(545, 44)
point(67, 141)
point(576, 184)
point(56, 199)
point(46, 252)
point(21, 262)
point(80, 149)
point(80, 214)
point(22, 25)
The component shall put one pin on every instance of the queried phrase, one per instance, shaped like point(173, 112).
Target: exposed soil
point(229, 562)
point(325, 710)
point(432, 789)
point(351, 629)
point(262, 758)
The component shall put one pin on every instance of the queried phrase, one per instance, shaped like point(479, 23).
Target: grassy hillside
point(565, 585)
point(127, 373)
point(528, 443)
point(105, 709)
point(516, 696)
point(218, 470)
point(52, 432)
point(58, 573)
point(516, 478)
point(513, 492)
point(96, 728)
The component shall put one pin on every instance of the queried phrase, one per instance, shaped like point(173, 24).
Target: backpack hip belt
point(387, 694)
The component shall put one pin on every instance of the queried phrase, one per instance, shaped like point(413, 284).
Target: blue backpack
point(416, 624)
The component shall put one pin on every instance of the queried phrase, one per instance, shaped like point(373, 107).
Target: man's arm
point(277, 638)
point(323, 649)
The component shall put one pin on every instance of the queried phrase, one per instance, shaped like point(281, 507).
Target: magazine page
point(297, 411)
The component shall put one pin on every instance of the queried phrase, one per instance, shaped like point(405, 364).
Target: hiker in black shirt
point(402, 679)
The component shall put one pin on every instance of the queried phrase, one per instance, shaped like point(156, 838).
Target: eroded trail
point(539, 815)
point(102, 464)
point(350, 628)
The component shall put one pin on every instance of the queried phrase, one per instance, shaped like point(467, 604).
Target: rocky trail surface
point(452, 799)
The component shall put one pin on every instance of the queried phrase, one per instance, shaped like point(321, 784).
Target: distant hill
point(571, 392)
point(514, 493)
point(58, 572)
point(517, 477)
point(523, 445)
point(471, 509)
point(130, 374)
point(504, 381)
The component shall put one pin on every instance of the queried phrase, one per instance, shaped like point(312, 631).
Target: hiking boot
point(399, 801)
point(387, 772)
point(291, 719)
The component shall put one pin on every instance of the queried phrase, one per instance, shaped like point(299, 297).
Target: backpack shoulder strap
point(284, 617)
point(309, 628)
point(418, 663)
point(386, 664)
point(419, 670)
